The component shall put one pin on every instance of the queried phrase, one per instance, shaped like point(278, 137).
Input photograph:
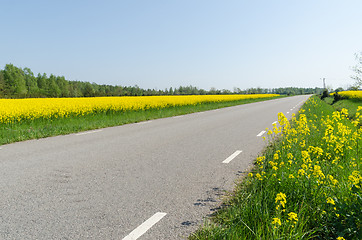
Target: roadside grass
point(350, 104)
point(40, 128)
point(306, 185)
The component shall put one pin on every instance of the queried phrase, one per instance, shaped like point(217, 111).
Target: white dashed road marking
point(261, 133)
point(145, 122)
point(144, 227)
point(232, 156)
point(89, 132)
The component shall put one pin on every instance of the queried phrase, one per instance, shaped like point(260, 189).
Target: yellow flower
point(281, 198)
point(317, 172)
point(341, 238)
point(250, 174)
point(258, 176)
point(355, 178)
point(301, 172)
point(332, 180)
point(291, 176)
point(259, 160)
point(276, 221)
point(293, 216)
point(331, 201)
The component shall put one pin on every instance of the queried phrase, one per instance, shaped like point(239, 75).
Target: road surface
point(151, 180)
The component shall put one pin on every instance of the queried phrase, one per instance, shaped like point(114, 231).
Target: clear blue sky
point(162, 44)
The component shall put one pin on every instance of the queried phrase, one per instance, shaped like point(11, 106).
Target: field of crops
point(351, 94)
point(18, 110)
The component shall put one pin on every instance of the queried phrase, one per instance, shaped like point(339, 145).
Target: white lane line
point(232, 156)
point(144, 227)
point(287, 112)
point(261, 133)
point(89, 132)
point(140, 123)
point(275, 122)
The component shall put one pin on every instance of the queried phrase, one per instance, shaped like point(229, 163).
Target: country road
point(151, 180)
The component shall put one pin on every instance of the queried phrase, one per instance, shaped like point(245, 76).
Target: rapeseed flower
point(276, 221)
point(292, 216)
point(331, 201)
point(281, 199)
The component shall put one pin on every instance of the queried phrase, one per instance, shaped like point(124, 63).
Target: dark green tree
point(2, 84)
point(53, 89)
point(31, 83)
point(88, 90)
point(63, 86)
point(14, 81)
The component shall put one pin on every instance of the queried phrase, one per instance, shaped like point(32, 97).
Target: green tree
point(2, 84)
point(14, 81)
point(43, 85)
point(88, 90)
point(53, 90)
point(63, 86)
point(31, 83)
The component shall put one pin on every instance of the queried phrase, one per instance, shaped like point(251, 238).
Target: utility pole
point(324, 83)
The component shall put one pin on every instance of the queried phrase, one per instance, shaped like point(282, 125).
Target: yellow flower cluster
point(292, 216)
point(355, 178)
point(281, 200)
point(318, 159)
point(276, 221)
point(17, 110)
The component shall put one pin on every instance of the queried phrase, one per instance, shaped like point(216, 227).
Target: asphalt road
point(150, 180)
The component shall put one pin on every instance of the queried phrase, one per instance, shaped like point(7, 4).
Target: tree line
point(18, 82)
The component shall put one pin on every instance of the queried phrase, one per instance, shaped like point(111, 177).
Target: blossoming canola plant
point(17, 110)
point(315, 175)
point(307, 185)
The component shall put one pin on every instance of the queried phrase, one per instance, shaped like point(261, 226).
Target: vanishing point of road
point(150, 180)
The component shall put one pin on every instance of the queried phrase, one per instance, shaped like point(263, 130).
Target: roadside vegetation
point(350, 100)
point(22, 119)
point(306, 185)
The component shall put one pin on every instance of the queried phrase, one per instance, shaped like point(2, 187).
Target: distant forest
point(16, 82)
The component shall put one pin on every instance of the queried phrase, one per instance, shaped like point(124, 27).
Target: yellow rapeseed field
point(17, 110)
point(351, 94)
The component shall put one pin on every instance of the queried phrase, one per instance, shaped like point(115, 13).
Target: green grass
point(41, 128)
point(325, 196)
point(350, 104)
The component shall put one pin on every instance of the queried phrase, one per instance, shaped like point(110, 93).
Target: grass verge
point(350, 104)
point(306, 185)
point(41, 128)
